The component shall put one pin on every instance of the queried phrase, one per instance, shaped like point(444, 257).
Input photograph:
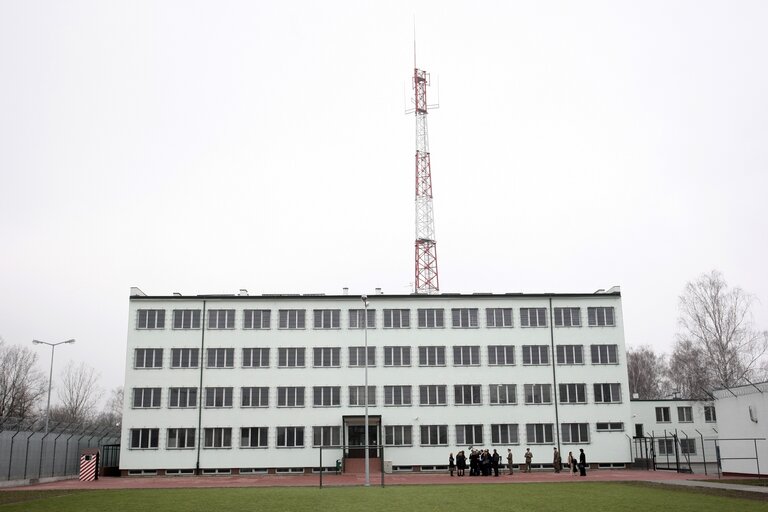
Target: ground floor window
point(398, 435)
point(290, 437)
point(434, 435)
point(539, 433)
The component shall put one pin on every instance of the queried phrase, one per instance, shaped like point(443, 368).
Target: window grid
point(432, 356)
point(217, 437)
point(357, 396)
point(662, 415)
point(327, 318)
point(501, 355)
point(180, 438)
point(464, 318)
point(357, 319)
point(538, 393)
point(254, 397)
point(148, 358)
point(434, 435)
point(685, 414)
point(253, 437)
point(607, 393)
point(397, 395)
point(397, 318)
point(220, 358)
point(186, 318)
point(182, 398)
point(535, 354)
point(144, 438)
point(533, 317)
point(575, 432)
point(221, 319)
point(326, 396)
point(290, 437)
point(539, 433)
point(504, 433)
point(357, 357)
point(600, 316)
point(498, 317)
point(146, 398)
point(605, 354)
point(326, 357)
point(567, 317)
point(467, 355)
point(503, 394)
point(326, 436)
point(709, 414)
point(290, 357)
point(292, 318)
point(430, 318)
point(432, 394)
point(467, 394)
point(217, 397)
point(398, 435)
point(469, 434)
point(150, 319)
point(185, 357)
point(290, 396)
point(573, 393)
point(257, 318)
point(397, 356)
point(256, 357)
point(570, 354)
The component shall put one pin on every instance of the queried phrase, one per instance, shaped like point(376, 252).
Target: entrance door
point(356, 438)
point(639, 430)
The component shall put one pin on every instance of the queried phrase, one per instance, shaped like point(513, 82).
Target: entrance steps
point(354, 465)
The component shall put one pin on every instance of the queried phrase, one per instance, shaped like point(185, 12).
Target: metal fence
point(674, 450)
point(28, 452)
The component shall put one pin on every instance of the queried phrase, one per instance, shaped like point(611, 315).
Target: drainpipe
point(554, 376)
point(200, 391)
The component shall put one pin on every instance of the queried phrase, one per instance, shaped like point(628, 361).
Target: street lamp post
point(365, 394)
point(50, 375)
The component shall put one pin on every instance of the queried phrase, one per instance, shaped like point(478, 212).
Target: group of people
point(482, 462)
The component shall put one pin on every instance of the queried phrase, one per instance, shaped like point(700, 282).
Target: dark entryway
point(354, 433)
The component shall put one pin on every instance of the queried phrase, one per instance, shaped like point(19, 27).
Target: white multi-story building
point(252, 383)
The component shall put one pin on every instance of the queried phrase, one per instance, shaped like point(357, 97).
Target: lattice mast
point(426, 279)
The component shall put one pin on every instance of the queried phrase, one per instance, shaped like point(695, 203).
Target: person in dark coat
point(461, 463)
point(495, 463)
point(582, 463)
point(451, 463)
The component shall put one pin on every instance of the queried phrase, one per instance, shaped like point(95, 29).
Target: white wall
point(737, 426)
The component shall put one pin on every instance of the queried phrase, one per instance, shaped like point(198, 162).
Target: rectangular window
point(290, 396)
point(575, 433)
point(182, 398)
point(688, 446)
point(326, 357)
point(220, 358)
point(148, 358)
point(666, 447)
point(256, 357)
point(253, 437)
point(573, 393)
point(431, 356)
point(292, 318)
point(397, 356)
point(539, 433)
point(290, 437)
point(432, 395)
point(567, 317)
point(467, 394)
point(357, 396)
point(533, 317)
point(434, 435)
point(257, 318)
point(464, 318)
point(662, 415)
point(570, 354)
point(254, 397)
point(326, 436)
point(357, 357)
point(599, 317)
point(538, 393)
point(609, 426)
point(535, 354)
point(397, 318)
point(467, 355)
point(150, 319)
point(498, 317)
point(469, 434)
point(184, 357)
point(217, 437)
point(607, 393)
point(218, 397)
point(503, 394)
point(180, 438)
point(397, 395)
point(504, 433)
point(186, 318)
point(605, 354)
point(430, 318)
point(357, 319)
point(326, 396)
point(685, 414)
point(221, 318)
point(709, 414)
point(501, 355)
point(145, 398)
point(398, 435)
point(144, 438)
point(290, 357)
point(327, 318)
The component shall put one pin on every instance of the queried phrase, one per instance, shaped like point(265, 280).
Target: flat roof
point(316, 296)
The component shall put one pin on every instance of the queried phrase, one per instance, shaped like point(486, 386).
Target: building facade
point(248, 384)
point(743, 442)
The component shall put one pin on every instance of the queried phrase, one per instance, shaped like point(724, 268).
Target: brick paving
point(333, 480)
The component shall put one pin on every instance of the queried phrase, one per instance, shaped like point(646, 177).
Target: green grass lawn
point(565, 497)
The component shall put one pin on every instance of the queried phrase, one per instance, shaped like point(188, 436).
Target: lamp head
point(37, 342)
point(70, 341)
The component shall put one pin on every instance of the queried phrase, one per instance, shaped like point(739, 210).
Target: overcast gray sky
point(203, 147)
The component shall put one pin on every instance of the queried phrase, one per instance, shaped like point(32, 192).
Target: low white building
point(243, 384)
point(742, 438)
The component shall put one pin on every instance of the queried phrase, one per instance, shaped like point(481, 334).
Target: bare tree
point(717, 321)
point(79, 393)
point(647, 373)
point(112, 414)
point(22, 385)
point(688, 373)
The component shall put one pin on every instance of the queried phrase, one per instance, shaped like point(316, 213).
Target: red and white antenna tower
point(426, 280)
